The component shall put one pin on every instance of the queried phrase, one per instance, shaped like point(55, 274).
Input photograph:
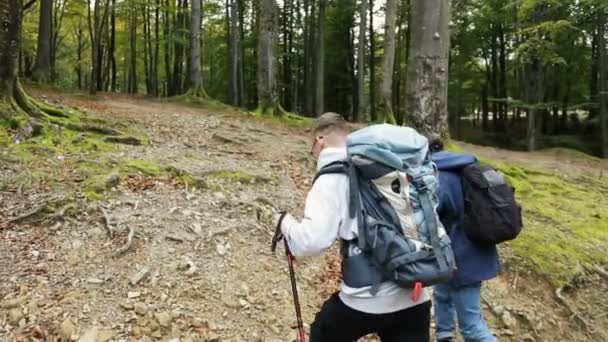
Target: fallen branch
point(127, 245)
point(573, 313)
point(93, 129)
point(107, 224)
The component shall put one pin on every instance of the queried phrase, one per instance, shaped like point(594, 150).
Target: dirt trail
point(204, 253)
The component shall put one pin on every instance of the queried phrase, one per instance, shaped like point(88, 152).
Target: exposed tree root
point(30, 214)
point(39, 115)
point(122, 250)
point(574, 314)
point(107, 222)
point(125, 140)
point(599, 270)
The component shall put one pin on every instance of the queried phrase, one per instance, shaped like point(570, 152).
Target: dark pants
point(337, 322)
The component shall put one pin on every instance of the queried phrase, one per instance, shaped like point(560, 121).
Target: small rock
point(126, 306)
point(157, 334)
point(14, 316)
point(197, 228)
point(231, 303)
point(89, 336)
point(94, 281)
point(112, 181)
point(105, 335)
point(140, 275)
point(140, 308)
point(221, 249)
point(173, 339)
point(77, 244)
point(219, 195)
point(243, 302)
point(36, 254)
point(212, 337)
point(12, 303)
point(66, 330)
point(508, 319)
point(133, 294)
point(73, 260)
point(164, 319)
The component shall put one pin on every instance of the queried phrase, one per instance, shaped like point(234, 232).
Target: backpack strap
point(430, 218)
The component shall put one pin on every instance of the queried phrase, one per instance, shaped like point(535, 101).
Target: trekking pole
point(296, 301)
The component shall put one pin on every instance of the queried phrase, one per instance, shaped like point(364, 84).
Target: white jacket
point(326, 218)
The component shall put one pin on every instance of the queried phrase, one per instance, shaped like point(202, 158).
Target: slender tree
point(361, 108)
point(195, 74)
point(388, 64)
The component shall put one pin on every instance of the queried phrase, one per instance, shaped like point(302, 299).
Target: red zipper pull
point(417, 291)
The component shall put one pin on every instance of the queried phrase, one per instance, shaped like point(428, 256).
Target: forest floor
point(198, 265)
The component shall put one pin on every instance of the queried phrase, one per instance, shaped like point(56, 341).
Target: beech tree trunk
point(427, 69)
point(268, 99)
point(320, 62)
point(195, 74)
point(361, 61)
point(42, 67)
point(388, 63)
point(603, 70)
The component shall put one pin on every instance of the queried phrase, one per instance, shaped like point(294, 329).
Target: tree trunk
point(495, 91)
point(169, 91)
point(133, 51)
point(195, 74)
point(235, 48)
point(147, 47)
point(309, 9)
point(503, 80)
point(372, 63)
point(603, 70)
point(154, 76)
point(361, 61)
point(113, 70)
point(401, 33)
point(594, 75)
point(268, 100)
point(242, 92)
point(320, 62)
point(10, 44)
point(427, 74)
point(42, 68)
point(388, 64)
point(534, 91)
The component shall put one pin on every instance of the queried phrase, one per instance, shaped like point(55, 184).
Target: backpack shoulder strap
point(340, 166)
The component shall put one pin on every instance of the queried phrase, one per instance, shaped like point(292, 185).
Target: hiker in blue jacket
point(462, 295)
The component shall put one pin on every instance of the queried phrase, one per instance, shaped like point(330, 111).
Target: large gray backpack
point(393, 185)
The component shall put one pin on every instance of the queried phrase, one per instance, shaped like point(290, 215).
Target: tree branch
point(28, 5)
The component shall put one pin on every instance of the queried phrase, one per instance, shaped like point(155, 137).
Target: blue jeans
point(466, 302)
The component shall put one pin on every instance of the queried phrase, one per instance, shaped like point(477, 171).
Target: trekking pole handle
point(278, 235)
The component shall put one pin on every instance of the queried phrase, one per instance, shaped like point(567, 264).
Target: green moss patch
point(565, 221)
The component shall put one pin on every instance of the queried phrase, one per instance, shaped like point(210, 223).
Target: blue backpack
point(393, 185)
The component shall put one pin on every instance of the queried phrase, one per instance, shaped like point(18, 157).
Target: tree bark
point(113, 70)
point(361, 104)
point(235, 51)
point(195, 74)
point(427, 74)
point(603, 70)
point(534, 91)
point(388, 64)
point(320, 62)
point(42, 68)
point(268, 101)
point(10, 44)
point(372, 63)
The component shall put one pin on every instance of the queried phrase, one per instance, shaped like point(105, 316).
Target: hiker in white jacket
point(352, 312)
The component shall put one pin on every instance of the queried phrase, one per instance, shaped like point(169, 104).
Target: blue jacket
point(475, 263)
